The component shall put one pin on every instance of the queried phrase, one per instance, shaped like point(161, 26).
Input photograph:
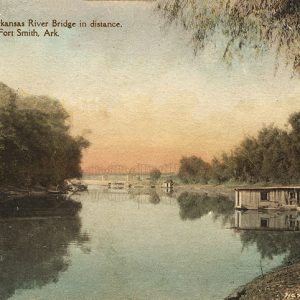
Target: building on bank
point(267, 198)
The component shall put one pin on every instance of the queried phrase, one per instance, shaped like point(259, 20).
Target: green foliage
point(193, 170)
point(272, 156)
point(254, 25)
point(155, 174)
point(35, 144)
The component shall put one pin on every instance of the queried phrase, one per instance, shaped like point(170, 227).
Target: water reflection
point(267, 220)
point(195, 205)
point(272, 232)
point(38, 207)
point(34, 248)
point(154, 197)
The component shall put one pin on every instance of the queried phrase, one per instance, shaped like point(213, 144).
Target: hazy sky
point(139, 89)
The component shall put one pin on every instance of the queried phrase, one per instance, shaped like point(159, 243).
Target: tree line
point(36, 147)
point(271, 156)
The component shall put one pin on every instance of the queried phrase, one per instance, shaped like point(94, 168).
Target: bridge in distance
point(139, 169)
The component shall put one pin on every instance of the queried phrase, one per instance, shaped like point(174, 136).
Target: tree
point(294, 146)
point(219, 170)
point(274, 150)
point(193, 170)
point(272, 156)
point(294, 121)
point(35, 143)
point(239, 27)
point(155, 174)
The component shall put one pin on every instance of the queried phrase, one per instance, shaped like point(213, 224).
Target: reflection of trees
point(34, 251)
point(154, 197)
point(39, 206)
point(194, 205)
point(270, 244)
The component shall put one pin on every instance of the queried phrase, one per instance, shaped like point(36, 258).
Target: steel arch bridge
point(138, 169)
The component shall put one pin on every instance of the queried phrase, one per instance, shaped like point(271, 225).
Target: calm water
point(130, 246)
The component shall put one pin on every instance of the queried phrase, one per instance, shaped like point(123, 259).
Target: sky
point(138, 92)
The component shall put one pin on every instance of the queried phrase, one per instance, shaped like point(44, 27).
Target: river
point(138, 246)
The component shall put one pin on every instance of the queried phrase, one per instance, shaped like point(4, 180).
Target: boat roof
point(267, 188)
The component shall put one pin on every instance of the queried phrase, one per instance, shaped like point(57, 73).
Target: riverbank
point(7, 191)
point(282, 283)
point(11, 191)
point(206, 188)
point(146, 182)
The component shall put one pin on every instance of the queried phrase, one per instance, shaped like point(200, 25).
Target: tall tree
point(193, 170)
point(35, 142)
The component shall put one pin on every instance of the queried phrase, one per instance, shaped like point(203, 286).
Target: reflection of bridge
point(141, 196)
point(139, 169)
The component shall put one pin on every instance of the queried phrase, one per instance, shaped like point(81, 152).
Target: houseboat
point(267, 198)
